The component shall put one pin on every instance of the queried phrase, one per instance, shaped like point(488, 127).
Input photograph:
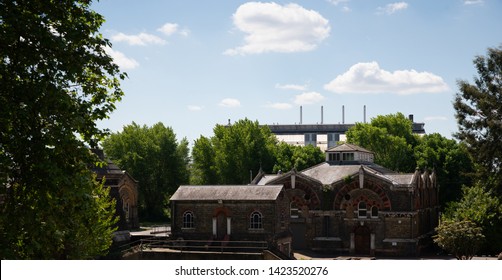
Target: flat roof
point(281, 129)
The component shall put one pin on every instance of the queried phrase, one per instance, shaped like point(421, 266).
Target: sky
point(194, 64)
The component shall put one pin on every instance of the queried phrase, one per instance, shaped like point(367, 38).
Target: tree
point(298, 157)
point(56, 82)
point(461, 238)
point(239, 151)
point(478, 109)
point(482, 208)
point(451, 162)
point(152, 156)
point(390, 137)
point(203, 169)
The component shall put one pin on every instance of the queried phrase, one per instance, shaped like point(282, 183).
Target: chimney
point(410, 117)
point(322, 114)
point(343, 114)
point(364, 113)
point(301, 115)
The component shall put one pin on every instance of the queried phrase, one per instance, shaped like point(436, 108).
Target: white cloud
point(370, 78)
point(168, 29)
point(141, 39)
point(184, 32)
point(291, 87)
point(435, 118)
point(392, 8)
point(346, 9)
point(279, 106)
point(230, 103)
point(121, 60)
point(270, 27)
point(473, 2)
point(194, 108)
point(336, 2)
point(307, 98)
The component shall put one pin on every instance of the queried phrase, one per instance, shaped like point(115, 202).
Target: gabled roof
point(345, 147)
point(328, 174)
point(227, 192)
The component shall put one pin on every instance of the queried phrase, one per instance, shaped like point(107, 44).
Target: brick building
point(350, 205)
point(231, 213)
point(124, 189)
point(345, 205)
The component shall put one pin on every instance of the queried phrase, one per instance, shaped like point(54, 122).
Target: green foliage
point(237, 151)
point(391, 139)
point(240, 150)
point(451, 162)
point(203, 169)
point(56, 82)
point(298, 157)
point(152, 156)
point(478, 109)
point(482, 208)
point(461, 238)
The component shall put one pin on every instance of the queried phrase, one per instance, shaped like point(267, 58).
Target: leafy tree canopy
point(461, 238)
point(56, 82)
point(298, 157)
point(154, 157)
point(481, 207)
point(451, 162)
point(478, 109)
point(238, 151)
point(390, 137)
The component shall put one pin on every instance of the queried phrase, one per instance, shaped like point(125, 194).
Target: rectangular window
point(348, 156)
point(334, 156)
point(311, 139)
point(333, 139)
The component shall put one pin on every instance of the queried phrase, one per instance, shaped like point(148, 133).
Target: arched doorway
point(362, 240)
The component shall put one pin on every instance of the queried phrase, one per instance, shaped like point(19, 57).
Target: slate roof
point(227, 192)
point(267, 178)
point(328, 174)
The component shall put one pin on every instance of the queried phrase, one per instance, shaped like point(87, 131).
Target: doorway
point(221, 226)
point(362, 240)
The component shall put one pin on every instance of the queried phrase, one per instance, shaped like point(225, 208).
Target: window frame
point(362, 209)
point(374, 212)
point(295, 210)
point(188, 220)
point(256, 220)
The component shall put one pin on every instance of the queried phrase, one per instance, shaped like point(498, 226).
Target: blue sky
point(195, 64)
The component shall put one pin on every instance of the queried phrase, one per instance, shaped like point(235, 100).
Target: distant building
point(124, 189)
point(346, 205)
point(324, 136)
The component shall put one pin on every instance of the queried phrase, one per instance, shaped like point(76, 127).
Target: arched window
point(362, 209)
point(125, 208)
point(374, 212)
point(293, 210)
point(188, 219)
point(256, 220)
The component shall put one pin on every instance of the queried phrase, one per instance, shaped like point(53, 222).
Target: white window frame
point(256, 221)
point(188, 220)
